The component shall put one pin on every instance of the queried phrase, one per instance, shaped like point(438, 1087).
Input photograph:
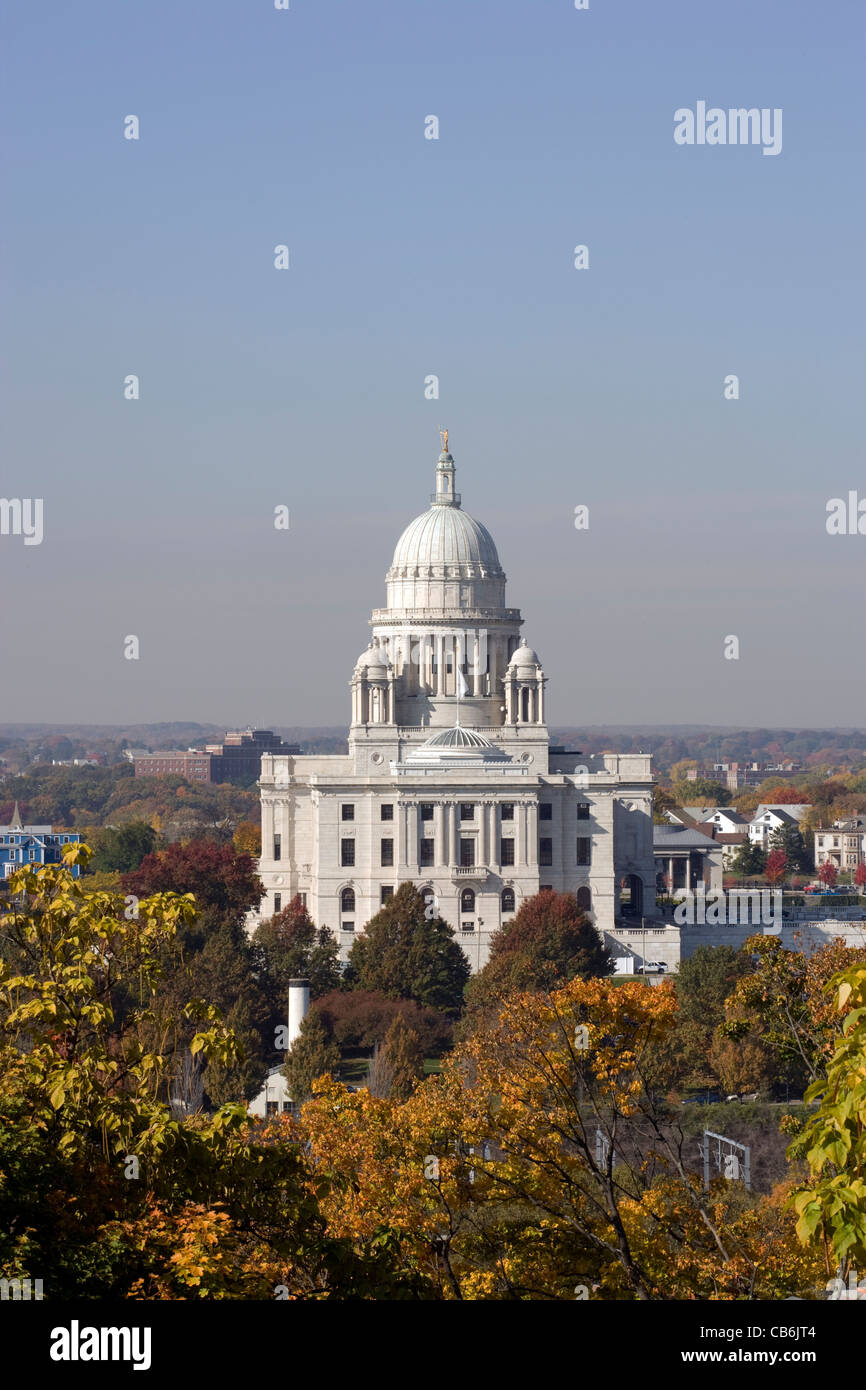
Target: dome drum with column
point(446, 634)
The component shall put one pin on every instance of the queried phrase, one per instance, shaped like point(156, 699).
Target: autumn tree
point(831, 1206)
point(828, 873)
point(777, 867)
point(784, 998)
point(539, 1160)
point(290, 946)
point(218, 876)
point(860, 875)
point(247, 838)
point(361, 1018)
point(548, 942)
point(408, 952)
point(105, 1194)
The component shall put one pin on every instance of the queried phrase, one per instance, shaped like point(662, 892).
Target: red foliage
point(828, 873)
point(219, 877)
point(362, 1017)
point(777, 865)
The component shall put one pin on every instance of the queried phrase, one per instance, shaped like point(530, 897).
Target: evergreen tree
point(311, 1055)
point(407, 953)
point(405, 1057)
point(290, 946)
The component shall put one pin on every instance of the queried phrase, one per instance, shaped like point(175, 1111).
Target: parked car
point(708, 1098)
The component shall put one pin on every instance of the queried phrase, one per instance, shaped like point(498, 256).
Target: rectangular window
point(347, 853)
point(467, 926)
point(545, 851)
point(347, 812)
point(427, 854)
point(272, 1106)
point(467, 853)
point(507, 811)
point(427, 810)
point(386, 892)
point(584, 847)
point(506, 851)
point(583, 810)
point(387, 853)
point(278, 847)
point(303, 898)
point(347, 926)
point(467, 811)
point(545, 887)
point(545, 810)
point(387, 812)
point(278, 902)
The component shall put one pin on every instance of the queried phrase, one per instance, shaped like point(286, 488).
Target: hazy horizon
point(410, 257)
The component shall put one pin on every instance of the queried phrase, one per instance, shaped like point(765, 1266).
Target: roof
point(669, 837)
point(457, 745)
point(777, 811)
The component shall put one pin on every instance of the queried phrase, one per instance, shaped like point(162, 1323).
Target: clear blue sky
point(409, 257)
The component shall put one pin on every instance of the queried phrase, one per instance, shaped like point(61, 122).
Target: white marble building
point(450, 780)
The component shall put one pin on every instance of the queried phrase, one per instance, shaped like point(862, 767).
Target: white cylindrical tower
point(299, 1004)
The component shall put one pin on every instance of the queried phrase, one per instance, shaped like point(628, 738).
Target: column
point(440, 830)
point(520, 837)
point(476, 664)
point(493, 852)
point(400, 847)
point(267, 828)
point(440, 664)
point(451, 813)
point(672, 880)
point(412, 854)
point(483, 834)
point(532, 833)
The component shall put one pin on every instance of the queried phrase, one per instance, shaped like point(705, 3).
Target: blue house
point(22, 845)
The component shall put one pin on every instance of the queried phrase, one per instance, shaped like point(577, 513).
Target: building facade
point(450, 780)
point(32, 846)
point(843, 844)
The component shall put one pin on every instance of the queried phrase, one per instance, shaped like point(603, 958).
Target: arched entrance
point(631, 896)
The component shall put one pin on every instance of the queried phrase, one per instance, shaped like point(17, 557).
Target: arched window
point(467, 900)
point(508, 900)
point(347, 900)
point(584, 899)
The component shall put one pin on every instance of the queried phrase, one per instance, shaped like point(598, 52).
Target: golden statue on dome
point(443, 435)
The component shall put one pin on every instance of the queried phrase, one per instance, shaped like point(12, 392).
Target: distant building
point(843, 844)
point(25, 846)
point(684, 858)
point(237, 759)
point(738, 775)
point(194, 764)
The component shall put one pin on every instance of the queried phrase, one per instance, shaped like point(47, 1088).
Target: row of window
point(583, 852)
point(467, 901)
point(467, 811)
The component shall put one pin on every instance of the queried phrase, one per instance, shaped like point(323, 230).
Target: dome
point(524, 656)
point(374, 659)
point(446, 535)
point(458, 745)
